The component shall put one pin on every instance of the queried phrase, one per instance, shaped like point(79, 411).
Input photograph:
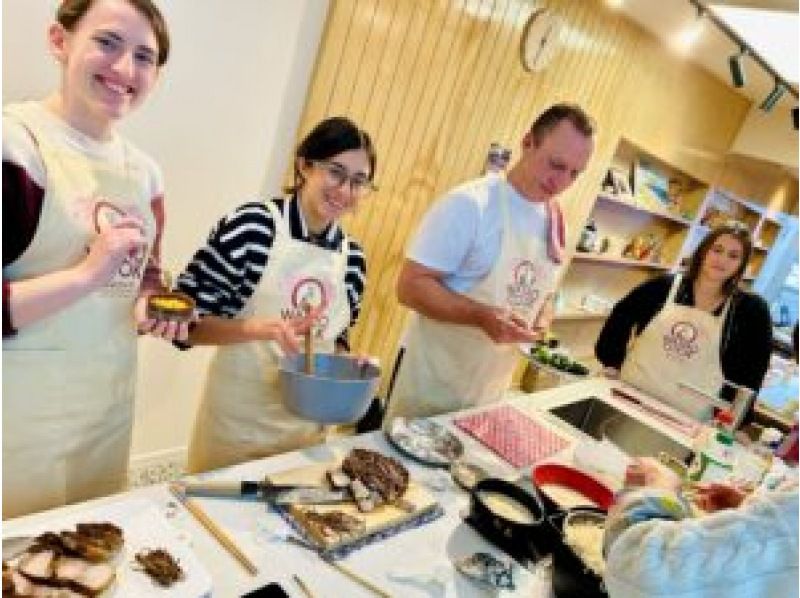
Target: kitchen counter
point(423, 549)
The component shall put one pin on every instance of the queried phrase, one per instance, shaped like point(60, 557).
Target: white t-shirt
point(461, 234)
point(19, 147)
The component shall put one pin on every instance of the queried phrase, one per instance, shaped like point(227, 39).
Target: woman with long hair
point(700, 328)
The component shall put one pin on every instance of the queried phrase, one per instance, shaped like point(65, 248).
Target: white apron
point(680, 344)
point(447, 367)
point(241, 414)
point(69, 379)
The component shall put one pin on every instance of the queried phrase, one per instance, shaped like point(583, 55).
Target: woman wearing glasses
point(265, 266)
point(699, 328)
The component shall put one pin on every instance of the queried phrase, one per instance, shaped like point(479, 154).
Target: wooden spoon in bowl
point(309, 346)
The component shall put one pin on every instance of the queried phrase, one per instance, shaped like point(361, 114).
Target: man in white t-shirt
point(481, 270)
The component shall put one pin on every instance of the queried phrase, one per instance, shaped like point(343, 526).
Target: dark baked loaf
point(384, 475)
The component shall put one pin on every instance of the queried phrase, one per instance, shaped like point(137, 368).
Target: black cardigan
point(746, 334)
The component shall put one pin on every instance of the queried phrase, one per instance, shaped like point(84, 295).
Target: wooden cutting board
point(381, 518)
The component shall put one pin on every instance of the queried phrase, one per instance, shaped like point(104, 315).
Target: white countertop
point(426, 548)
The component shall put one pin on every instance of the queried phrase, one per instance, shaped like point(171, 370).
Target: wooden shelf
point(636, 207)
point(619, 261)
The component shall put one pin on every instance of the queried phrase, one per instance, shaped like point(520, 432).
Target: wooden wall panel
point(436, 81)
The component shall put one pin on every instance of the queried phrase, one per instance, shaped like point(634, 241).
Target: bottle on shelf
point(588, 239)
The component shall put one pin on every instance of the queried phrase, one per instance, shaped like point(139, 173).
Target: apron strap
point(673, 291)
point(280, 220)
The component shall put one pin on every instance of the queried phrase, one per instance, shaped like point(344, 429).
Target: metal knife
point(279, 494)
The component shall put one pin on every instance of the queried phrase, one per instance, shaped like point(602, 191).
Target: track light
point(737, 69)
point(794, 117)
point(772, 98)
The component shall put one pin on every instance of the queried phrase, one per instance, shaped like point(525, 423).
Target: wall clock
point(541, 39)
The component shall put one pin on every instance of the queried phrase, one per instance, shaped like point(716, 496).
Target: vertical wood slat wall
point(436, 81)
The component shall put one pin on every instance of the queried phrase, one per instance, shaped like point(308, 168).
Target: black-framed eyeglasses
point(337, 175)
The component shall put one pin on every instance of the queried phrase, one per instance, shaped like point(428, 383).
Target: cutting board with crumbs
point(382, 518)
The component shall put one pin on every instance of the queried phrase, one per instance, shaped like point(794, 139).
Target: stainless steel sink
point(598, 419)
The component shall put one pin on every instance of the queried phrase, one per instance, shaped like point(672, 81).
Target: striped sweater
point(223, 274)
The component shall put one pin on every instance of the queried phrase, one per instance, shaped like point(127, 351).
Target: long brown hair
point(738, 231)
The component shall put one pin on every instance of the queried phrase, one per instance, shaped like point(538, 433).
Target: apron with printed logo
point(680, 344)
point(69, 378)
point(241, 415)
point(447, 367)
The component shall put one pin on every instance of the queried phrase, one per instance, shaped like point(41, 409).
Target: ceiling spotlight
point(737, 70)
point(776, 94)
point(794, 117)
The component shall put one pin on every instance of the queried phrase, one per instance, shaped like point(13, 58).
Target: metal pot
point(525, 542)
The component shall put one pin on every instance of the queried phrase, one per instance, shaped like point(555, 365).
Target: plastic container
point(713, 459)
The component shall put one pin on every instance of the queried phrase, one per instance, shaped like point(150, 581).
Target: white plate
point(426, 441)
point(144, 527)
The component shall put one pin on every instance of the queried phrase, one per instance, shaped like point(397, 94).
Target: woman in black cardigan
point(699, 328)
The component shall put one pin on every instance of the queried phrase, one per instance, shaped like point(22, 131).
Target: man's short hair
point(550, 118)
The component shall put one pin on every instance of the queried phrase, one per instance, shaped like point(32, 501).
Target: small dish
point(554, 363)
point(467, 474)
point(174, 306)
point(488, 570)
point(583, 533)
point(426, 441)
point(564, 476)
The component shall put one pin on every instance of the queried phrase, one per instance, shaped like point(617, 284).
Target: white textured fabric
point(749, 552)
point(460, 235)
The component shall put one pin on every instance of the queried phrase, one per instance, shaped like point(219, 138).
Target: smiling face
point(723, 259)
point(548, 168)
point(109, 63)
point(324, 195)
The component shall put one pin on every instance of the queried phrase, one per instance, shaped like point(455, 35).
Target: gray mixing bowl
point(338, 392)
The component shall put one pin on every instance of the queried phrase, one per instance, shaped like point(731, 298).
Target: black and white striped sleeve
point(355, 283)
point(223, 274)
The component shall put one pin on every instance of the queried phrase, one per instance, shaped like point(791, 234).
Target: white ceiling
point(664, 18)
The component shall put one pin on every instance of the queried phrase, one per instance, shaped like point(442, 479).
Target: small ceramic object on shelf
point(588, 238)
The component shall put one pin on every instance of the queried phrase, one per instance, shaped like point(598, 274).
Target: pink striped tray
point(512, 435)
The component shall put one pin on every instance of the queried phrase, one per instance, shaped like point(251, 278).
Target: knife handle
point(221, 488)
